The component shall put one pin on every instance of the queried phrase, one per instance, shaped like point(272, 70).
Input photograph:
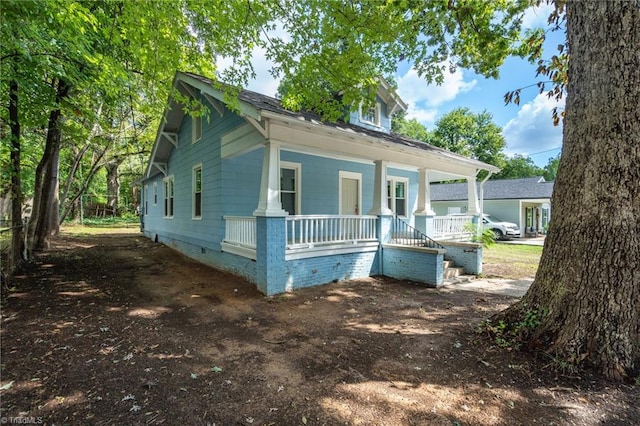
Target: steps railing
point(404, 234)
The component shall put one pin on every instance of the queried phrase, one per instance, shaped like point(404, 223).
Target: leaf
point(194, 376)
point(7, 386)
point(304, 420)
point(216, 369)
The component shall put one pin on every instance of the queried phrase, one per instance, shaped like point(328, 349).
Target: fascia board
point(460, 165)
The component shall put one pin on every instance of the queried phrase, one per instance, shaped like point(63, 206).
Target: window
point(146, 199)
point(371, 115)
point(397, 195)
point(155, 193)
point(196, 129)
point(168, 196)
point(290, 187)
point(197, 191)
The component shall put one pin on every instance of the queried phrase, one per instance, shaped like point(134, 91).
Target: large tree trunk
point(587, 289)
point(46, 201)
point(17, 240)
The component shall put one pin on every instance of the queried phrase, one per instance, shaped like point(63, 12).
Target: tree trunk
point(95, 166)
point(46, 201)
point(17, 240)
point(67, 204)
point(113, 185)
point(587, 289)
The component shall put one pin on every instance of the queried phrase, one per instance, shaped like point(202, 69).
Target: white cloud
point(264, 82)
point(537, 16)
point(532, 130)
point(423, 98)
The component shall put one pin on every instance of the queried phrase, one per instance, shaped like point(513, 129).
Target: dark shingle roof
point(499, 189)
point(267, 103)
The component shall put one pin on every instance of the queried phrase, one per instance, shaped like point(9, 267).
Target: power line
point(543, 152)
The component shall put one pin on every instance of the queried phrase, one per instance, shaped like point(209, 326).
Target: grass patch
point(511, 261)
point(77, 229)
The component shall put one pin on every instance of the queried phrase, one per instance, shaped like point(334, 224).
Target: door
point(349, 196)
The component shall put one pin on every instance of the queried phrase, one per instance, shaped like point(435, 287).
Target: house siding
point(505, 210)
point(385, 120)
point(240, 183)
point(209, 230)
point(442, 207)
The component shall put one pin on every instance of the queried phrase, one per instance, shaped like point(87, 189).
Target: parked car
point(500, 228)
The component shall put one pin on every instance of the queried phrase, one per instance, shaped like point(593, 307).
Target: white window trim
point(349, 175)
point(196, 123)
point(393, 180)
point(298, 169)
point(155, 193)
point(193, 192)
point(165, 197)
point(146, 200)
point(377, 115)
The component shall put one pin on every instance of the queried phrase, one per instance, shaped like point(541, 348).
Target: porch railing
point(452, 227)
point(404, 234)
point(240, 230)
point(329, 229)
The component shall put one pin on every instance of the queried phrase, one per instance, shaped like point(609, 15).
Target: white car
point(500, 228)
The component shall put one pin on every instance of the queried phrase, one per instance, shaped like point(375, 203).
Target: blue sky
point(528, 128)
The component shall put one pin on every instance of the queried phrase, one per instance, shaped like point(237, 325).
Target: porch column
point(271, 274)
point(269, 202)
point(473, 207)
point(424, 214)
point(380, 205)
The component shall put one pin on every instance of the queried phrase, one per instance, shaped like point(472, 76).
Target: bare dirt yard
point(118, 330)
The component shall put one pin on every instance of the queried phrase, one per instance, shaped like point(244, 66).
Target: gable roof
point(499, 189)
point(255, 107)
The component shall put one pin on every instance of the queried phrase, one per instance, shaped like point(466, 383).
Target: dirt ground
point(118, 330)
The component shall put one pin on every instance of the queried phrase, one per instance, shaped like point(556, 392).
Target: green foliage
point(470, 134)
point(511, 335)
point(344, 46)
point(518, 166)
point(487, 237)
point(119, 58)
point(111, 221)
point(411, 128)
point(551, 169)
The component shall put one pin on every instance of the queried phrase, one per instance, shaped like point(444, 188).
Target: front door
point(349, 196)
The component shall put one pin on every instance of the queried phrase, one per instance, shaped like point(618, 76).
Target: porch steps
point(454, 274)
point(460, 279)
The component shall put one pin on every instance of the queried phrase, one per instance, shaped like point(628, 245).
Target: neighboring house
point(287, 200)
point(525, 202)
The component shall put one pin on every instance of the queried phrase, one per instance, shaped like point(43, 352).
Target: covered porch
point(371, 232)
point(298, 251)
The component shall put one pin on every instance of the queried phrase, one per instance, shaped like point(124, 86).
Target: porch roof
point(257, 108)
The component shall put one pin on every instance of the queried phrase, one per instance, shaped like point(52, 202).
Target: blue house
point(288, 201)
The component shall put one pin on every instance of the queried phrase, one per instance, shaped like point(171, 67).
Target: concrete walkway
point(505, 287)
point(535, 241)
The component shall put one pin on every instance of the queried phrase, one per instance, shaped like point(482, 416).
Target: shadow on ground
point(120, 330)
